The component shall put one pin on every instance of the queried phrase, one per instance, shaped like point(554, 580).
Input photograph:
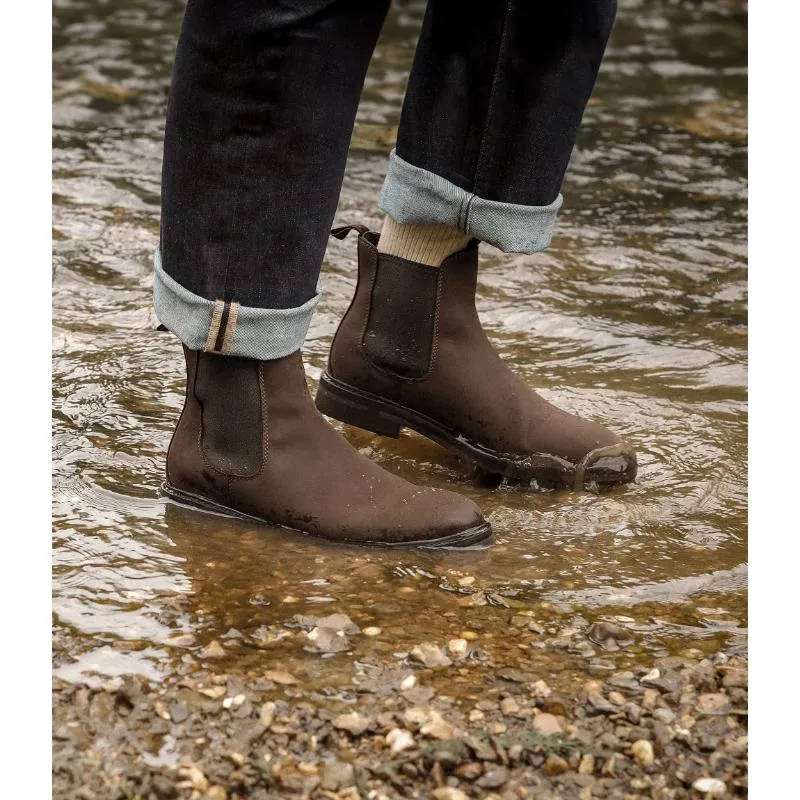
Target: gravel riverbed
point(676, 728)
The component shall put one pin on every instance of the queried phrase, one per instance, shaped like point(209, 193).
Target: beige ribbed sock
point(427, 244)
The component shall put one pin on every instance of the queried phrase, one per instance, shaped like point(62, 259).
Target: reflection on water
point(636, 316)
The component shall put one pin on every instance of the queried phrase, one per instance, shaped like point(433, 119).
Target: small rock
point(353, 723)
point(194, 777)
point(651, 676)
point(178, 712)
point(399, 739)
point(541, 690)
point(237, 759)
point(430, 655)
point(458, 647)
point(555, 765)
point(267, 713)
point(328, 640)
point(214, 692)
point(649, 698)
point(617, 698)
point(482, 750)
point(467, 580)
point(735, 678)
point(212, 650)
point(642, 751)
point(372, 631)
point(712, 787)
point(599, 705)
point(664, 715)
point(339, 622)
point(281, 677)
point(337, 775)
point(437, 727)
point(449, 793)
point(717, 703)
point(470, 771)
point(586, 765)
point(470, 636)
point(609, 636)
point(509, 706)
point(416, 717)
point(494, 778)
point(547, 724)
point(409, 682)
point(624, 680)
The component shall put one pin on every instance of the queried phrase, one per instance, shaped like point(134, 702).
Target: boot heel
point(348, 407)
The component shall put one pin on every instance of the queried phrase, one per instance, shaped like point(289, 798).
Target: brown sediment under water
point(636, 317)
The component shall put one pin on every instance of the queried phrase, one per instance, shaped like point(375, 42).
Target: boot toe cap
point(610, 465)
point(450, 520)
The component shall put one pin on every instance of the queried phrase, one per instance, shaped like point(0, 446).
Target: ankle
point(429, 243)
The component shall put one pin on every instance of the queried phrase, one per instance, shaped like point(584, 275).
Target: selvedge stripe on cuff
point(229, 328)
point(223, 323)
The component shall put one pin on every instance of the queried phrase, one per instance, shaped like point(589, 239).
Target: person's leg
point(490, 117)
point(261, 110)
point(260, 116)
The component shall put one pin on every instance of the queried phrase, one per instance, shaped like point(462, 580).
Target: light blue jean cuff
point(413, 196)
point(229, 328)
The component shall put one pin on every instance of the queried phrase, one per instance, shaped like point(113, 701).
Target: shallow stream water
point(636, 316)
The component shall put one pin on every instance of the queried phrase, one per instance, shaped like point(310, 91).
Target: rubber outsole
point(605, 466)
point(477, 537)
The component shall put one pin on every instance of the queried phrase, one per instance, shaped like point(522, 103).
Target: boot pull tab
point(341, 233)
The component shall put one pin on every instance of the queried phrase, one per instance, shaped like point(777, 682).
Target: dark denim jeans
point(261, 110)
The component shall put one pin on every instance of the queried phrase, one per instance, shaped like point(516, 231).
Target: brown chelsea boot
point(250, 443)
point(411, 352)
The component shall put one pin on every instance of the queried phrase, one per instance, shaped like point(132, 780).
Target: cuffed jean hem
point(412, 196)
point(216, 326)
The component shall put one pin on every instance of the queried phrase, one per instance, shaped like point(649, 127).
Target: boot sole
point(478, 537)
point(605, 466)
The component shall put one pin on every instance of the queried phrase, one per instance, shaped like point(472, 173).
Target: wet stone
point(399, 739)
point(178, 712)
point(609, 636)
point(547, 724)
point(642, 751)
point(337, 775)
point(430, 655)
point(494, 778)
point(716, 703)
point(353, 723)
point(449, 793)
point(710, 787)
point(555, 765)
point(212, 650)
point(281, 677)
point(509, 706)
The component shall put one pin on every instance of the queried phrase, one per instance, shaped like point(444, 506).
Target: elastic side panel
point(400, 328)
point(229, 394)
